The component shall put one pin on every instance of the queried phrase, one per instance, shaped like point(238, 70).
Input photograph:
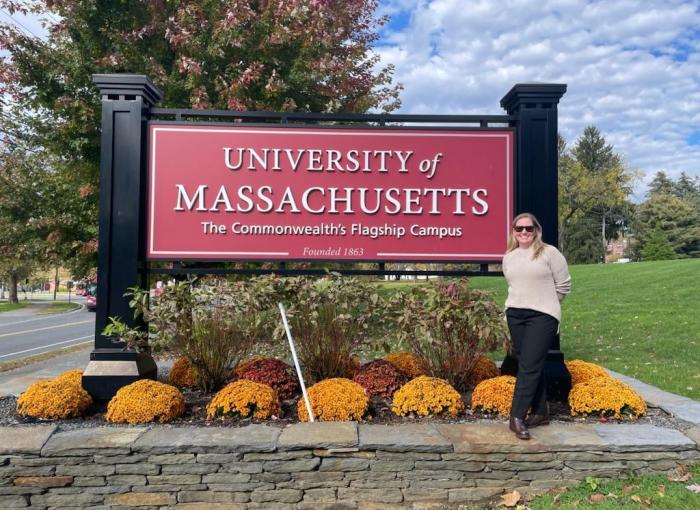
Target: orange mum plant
point(582, 371)
point(243, 398)
point(145, 401)
point(607, 397)
point(494, 395)
point(335, 399)
point(427, 395)
point(72, 376)
point(54, 399)
point(182, 375)
point(484, 369)
point(407, 362)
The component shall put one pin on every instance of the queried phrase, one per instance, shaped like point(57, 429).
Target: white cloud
point(632, 68)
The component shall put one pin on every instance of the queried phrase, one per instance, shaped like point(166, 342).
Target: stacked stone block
point(316, 466)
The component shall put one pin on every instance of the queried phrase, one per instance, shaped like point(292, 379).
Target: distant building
point(617, 249)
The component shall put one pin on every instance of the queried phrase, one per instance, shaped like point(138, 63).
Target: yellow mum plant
point(582, 371)
point(427, 395)
point(54, 399)
point(607, 397)
point(182, 375)
point(243, 397)
point(335, 399)
point(145, 401)
point(484, 369)
point(494, 395)
point(408, 363)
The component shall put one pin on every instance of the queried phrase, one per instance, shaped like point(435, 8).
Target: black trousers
point(533, 334)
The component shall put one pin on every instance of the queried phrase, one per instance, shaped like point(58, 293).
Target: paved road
point(14, 382)
point(25, 333)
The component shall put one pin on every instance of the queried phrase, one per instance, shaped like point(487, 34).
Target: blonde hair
point(537, 243)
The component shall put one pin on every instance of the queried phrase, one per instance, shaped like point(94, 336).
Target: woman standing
point(538, 279)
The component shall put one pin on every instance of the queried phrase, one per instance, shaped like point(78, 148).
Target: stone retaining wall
point(320, 465)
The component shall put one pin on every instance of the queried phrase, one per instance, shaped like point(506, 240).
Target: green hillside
point(641, 319)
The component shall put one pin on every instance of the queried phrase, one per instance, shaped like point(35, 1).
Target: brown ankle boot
point(535, 420)
point(518, 426)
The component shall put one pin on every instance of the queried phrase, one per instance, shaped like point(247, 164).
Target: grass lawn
point(59, 307)
point(641, 319)
point(638, 493)
point(6, 307)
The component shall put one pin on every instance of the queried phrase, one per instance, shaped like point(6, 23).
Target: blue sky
point(632, 67)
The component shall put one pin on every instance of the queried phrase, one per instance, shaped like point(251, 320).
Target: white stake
point(296, 363)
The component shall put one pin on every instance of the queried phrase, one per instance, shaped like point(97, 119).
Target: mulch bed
point(380, 413)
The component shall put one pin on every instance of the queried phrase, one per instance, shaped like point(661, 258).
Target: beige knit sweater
point(538, 284)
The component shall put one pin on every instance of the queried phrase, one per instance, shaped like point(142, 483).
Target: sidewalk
point(14, 382)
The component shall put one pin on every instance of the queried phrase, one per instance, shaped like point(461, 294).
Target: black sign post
point(534, 108)
point(126, 100)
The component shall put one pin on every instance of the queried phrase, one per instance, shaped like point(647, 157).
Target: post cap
point(532, 93)
point(122, 84)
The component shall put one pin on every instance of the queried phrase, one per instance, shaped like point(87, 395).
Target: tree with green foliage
point(594, 190)
point(22, 229)
point(657, 247)
point(688, 189)
point(296, 55)
point(672, 207)
point(660, 184)
point(594, 153)
point(31, 174)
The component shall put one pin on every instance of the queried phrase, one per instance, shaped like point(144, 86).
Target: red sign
point(317, 193)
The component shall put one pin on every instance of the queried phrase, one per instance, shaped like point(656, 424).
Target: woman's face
point(524, 231)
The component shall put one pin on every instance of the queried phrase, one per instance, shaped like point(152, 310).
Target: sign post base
point(110, 369)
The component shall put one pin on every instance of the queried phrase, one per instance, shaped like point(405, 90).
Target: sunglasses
point(526, 228)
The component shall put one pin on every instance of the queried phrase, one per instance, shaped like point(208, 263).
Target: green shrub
point(331, 318)
point(450, 326)
point(213, 322)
